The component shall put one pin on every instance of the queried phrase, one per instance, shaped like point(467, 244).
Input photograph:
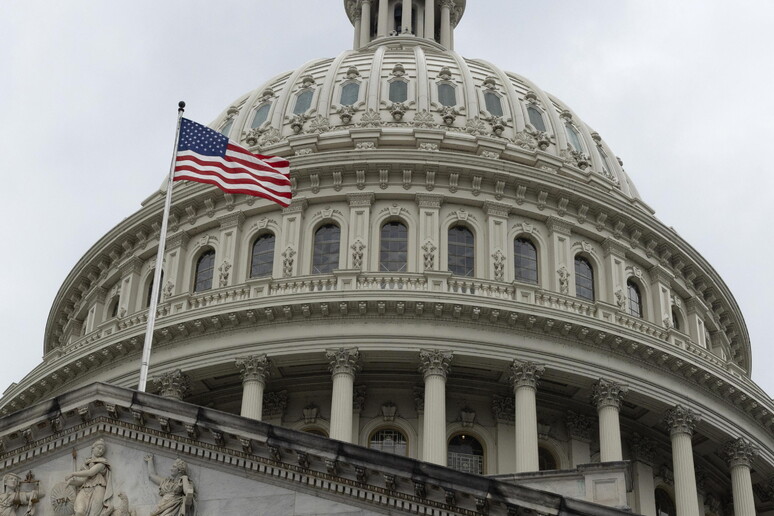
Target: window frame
point(260, 106)
point(470, 272)
point(541, 114)
point(516, 260)
point(486, 94)
point(634, 308)
point(319, 228)
point(260, 236)
point(209, 251)
point(583, 259)
point(382, 249)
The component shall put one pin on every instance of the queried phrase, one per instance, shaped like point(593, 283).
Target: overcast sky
point(682, 91)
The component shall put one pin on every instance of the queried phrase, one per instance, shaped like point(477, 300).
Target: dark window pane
point(536, 119)
point(261, 114)
point(676, 319)
point(635, 305)
point(447, 95)
point(349, 93)
point(573, 137)
point(664, 504)
point(398, 91)
point(493, 104)
point(393, 254)
point(205, 268)
point(525, 261)
point(466, 454)
point(584, 279)
point(262, 261)
point(150, 288)
point(546, 460)
point(461, 251)
point(326, 249)
point(390, 441)
point(303, 102)
point(603, 158)
point(227, 128)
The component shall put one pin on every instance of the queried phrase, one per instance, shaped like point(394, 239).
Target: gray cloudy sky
point(683, 91)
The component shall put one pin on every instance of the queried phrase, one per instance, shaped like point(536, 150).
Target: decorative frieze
point(681, 420)
point(275, 403)
point(608, 394)
point(358, 398)
point(579, 426)
point(740, 452)
point(503, 408)
point(643, 449)
point(435, 362)
point(343, 361)
point(525, 374)
point(254, 368)
point(174, 384)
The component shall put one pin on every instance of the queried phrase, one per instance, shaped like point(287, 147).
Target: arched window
point(398, 91)
point(676, 320)
point(389, 440)
point(635, 299)
point(573, 137)
point(664, 504)
point(536, 118)
point(393, 250)
point(303, 102)
point(149, 290)
point(262, 259)
point(227, 128)
point(261, 114)
point(493, 104)
point(447, 95)
point(326, 249)
point(461, 249)
point(584, 279)
point(466, 454)
point(205, 269)
point(525, 261)
point(349, 93)
point(546, 460)
point(603, 158)
point(114, 307)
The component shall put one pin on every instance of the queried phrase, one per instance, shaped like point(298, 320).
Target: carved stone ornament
point(307, 81)
point(310, 414)
point(476, 126)
point(419, 398)
point(254, 368)
point(681, 420)
point(352, 72)
point(445, 74)
point(424, 119)
point(389, 410)
point(13, 496)
point(525, 140)
point(564, 280)
point(398, 110)
point(499, 265)
point(467, 417)
point(275, 403)
point(498, 125)
point(740, 452)
point(343, 361)
point(174, 384)
point(84, 487)
point(428, 255)
point(358, 398)
point(435, 362)
point(287, 262)
point(503, 409)
point(579, 426)
point(176, 490)
point(166, 293)
point(525, 374)
point(357, 254)
point(297, 122)
point(346, 113)
point(319, 124)
point(398, 70)
point(224, 269)
point(449, 114)
point(608, 394)
point(371, 118)
point(643, 449)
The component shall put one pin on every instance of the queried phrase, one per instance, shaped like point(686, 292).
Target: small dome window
point(326, 249)
point(227, 128)
point(461, 251)
point(303, 102)
point(261, 114)
point(447, 95)
point(536, 119)
point(635, 299)
point(394, 247)
point(584, 279)
point(573, 137)
point(493, 104)
point(349, 93)
point(205, 269)
point(262, 259)
point(525, 261)
point(398, 91)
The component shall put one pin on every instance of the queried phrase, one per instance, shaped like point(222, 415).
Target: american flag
point(206, 156)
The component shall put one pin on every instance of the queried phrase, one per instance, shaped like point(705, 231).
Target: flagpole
point(154, 300)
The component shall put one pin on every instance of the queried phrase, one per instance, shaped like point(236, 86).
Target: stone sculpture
point(12, 497)
point(176, 491)
point(92, 483)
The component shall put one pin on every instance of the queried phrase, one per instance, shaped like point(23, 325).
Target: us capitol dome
point(467, 283)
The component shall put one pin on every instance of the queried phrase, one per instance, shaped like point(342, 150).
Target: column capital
point(448, 4)
point(606, 393)
point(254, 368)
point(432, 201)
point(174, 384)
point(740, 452)
point(360, 199)
point(579, 426)
point(681, 420)
point(343, 361)
point(643, 449)
point(526, 374)
point(435, 362)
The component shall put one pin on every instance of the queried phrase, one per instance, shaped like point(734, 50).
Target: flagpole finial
point(181, 106)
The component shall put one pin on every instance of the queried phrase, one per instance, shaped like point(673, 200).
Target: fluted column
point(405, 20)
point(430, 19)
point(381, 23)
point(255, 371)
point(357, 18)
point(446, 7)
point(174, 384)
point(607, 397)
point(343, 365)
point(681, 422)
point(740, 455)
point(524, 377)
point(434, 365)
point(365, 22)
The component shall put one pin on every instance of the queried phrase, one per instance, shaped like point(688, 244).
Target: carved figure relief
point(14, 496)
point(499, 265)
point(429, 255)
point(224, 269)
point(564, 280)
point(176, 491)
point(93, 485)
point(287, 262)
point(357, 254)
point(620, 299)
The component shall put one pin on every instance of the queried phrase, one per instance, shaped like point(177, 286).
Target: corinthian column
point(255, 372)
point(524, 377)
point(740, 455)
point(343, 365)
point(405, 21)
point(430, 19)
point(681, 422)
point(381, 22)
point(446, 7)
point(365, 22)
point(434, 365)
point(607, 396)
point(174, 384)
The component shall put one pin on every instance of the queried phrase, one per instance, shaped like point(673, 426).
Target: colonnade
point(422, 25)
point(607, 396)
